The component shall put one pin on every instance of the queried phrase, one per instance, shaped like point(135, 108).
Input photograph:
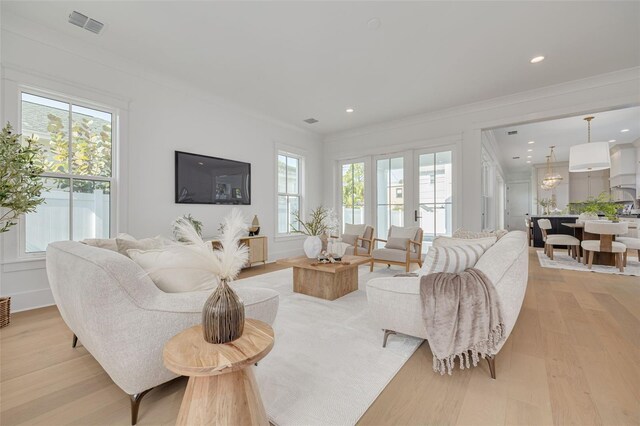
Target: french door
point(415, 188)
point(433, 197)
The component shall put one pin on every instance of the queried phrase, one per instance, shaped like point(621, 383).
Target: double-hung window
point(289, 191)
point(78, 180)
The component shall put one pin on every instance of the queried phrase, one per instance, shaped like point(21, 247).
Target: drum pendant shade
point(589, 157)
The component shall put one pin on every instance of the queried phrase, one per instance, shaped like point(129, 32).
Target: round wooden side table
point(222, 388)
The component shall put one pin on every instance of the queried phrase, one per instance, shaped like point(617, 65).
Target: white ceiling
point(563, 133)
point(294, 60)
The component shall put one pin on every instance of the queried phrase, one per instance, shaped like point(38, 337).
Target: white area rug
point(328, 364)
point(564, 261)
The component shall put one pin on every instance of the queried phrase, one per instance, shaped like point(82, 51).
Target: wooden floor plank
point(572, 358)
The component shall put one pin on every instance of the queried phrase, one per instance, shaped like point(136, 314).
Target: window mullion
point(70, 165)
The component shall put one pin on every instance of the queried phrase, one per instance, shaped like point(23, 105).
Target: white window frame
point(367, 188)
point(115, 120)
point(300, 194)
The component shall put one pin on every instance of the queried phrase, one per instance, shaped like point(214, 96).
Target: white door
point(517, 205)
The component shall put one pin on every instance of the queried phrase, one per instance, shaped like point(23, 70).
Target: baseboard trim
point(29, 300)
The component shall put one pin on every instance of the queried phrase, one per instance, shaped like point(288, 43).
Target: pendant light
point(551, 179)
point(589, 156)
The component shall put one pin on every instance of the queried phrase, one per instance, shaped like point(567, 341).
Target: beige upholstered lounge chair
point(403, 247)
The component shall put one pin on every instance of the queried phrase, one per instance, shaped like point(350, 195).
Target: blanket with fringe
point(463, 318)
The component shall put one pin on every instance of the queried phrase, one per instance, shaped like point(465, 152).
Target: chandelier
point(551, 179)
point(589, 156)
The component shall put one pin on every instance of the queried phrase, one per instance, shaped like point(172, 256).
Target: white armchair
point(121, 317)
point(357, 240)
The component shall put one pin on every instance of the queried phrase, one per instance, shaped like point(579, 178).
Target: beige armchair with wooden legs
point(403, 247)
point(606, 230)
point(551, 240)
point(358, 240)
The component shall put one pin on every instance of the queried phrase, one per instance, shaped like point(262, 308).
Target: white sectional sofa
point(396, 305)
point(123, 319)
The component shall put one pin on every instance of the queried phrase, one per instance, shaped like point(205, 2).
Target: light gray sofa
point(123, 319)
point(396, 305)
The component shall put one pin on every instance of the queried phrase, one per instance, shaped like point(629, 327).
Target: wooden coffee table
point(326, 281)
point(222, 389)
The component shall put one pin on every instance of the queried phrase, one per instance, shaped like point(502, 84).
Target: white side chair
point(632, 244)
point(551, 240)
point(605, 244)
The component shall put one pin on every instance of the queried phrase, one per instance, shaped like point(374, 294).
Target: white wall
point(463, 125)
point(159, 115)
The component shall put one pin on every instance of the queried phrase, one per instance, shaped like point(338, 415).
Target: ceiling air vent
point(77, 18)
point(310, 120)
point(512, 132)
point(94, 26)
point(83, 21)
point(516, 158)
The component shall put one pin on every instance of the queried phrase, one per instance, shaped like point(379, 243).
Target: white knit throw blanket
point(463, 318)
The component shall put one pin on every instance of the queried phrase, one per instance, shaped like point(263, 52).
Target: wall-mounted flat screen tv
point(210, 180)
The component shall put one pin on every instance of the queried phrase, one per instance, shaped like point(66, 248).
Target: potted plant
point(313, 229)
point(602, 204)
point(20, 187)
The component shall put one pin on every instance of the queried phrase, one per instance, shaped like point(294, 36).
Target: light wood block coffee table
point(222, 389)
point(326, 281)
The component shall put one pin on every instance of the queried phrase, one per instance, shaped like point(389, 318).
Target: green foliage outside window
point(353, 185)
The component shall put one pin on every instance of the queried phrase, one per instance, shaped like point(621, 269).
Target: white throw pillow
point(175, 270)
point(144, 244)
point(398, 236)
point(451, 259)
point(107, 243)
point(463, 233)
point(452, 242)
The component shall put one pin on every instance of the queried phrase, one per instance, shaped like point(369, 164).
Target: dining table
point(600, 258)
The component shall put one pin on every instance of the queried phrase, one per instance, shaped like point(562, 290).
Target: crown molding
point(601, 80)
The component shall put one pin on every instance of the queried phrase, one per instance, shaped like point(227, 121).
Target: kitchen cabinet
point(583, 185)
point(624, 167)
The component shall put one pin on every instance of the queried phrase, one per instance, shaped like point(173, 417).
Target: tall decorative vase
point(255, 226)
point(312, 246)
point(223, 315)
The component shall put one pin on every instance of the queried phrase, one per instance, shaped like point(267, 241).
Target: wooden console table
point(258, 248)
point(222, 389)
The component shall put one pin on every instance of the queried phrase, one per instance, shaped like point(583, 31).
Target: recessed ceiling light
point(528, 156)
point(624, 130)
point(200, 163)
point(612, 140)
point(350, 109)
point(374, 23)
point(531, 142)
point(528, 162)
point(537, 59)
point(529, 150)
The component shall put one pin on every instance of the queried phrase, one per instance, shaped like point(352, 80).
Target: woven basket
point(5, 311)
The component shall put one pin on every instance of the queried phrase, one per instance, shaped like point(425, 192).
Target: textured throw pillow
point(451, 259)
point(463, 233)
point(397, 233)
point(452, 242)
point(396, 243)
point(143, 244)
point(176, 269)
point(349, 239)
point(107, 243)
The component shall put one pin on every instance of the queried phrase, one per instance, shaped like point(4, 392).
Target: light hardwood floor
point(573, 358)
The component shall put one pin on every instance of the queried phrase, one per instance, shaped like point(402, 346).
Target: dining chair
point(551, 240)
point(605, 244)
point(529, 225)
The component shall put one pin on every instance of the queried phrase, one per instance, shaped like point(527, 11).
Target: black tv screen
point(210, 180)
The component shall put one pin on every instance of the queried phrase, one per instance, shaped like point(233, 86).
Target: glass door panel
point(435, 194)
point(390, 191)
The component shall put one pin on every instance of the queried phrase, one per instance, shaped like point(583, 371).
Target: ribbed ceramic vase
point(223, 315)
